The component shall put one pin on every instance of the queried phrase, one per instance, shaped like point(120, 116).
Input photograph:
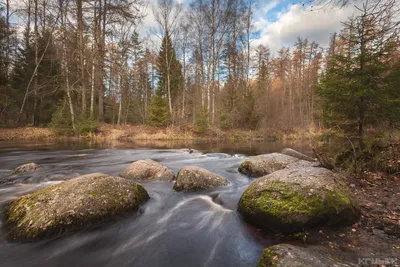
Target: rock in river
point(291, 200)
point(192, 178)
point(258, 166)
point(28, 167)
point(284, 255)
point(83, 201)
point(147, 170)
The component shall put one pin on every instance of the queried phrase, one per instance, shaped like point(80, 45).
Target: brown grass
point(132, 133)
point(26, 133)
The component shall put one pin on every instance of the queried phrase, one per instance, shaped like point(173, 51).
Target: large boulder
point(146, 170)
point(284, 255)
point(27, 167)
point(261, 165)
point(291, 200)
point(192, 178)
point(83, 201)
point(296, 154)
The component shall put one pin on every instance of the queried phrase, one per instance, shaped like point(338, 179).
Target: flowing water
point(171, 229)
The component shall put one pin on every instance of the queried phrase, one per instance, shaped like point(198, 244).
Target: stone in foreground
point(147, 170)
point(261, 165)
point(291, 200)
point(192, 178)
point(83, 201)
point(24, 168)
point(296, 154)
point(284, 255)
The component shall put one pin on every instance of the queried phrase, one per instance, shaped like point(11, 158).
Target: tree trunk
point(81, 54)
point(66, 70)
point(36, 87)
point(102, 58)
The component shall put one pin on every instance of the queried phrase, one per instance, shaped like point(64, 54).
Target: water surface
point(171, 229)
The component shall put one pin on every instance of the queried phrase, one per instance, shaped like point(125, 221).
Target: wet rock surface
point(80, 202)
point(192, 178)
point(261, 165)
point(147, 170)
point(291, 200)
point(284, 255)
point(27, 167)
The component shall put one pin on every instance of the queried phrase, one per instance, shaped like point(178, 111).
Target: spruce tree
point(170, 79)
point(354, 89)
point(159, 115)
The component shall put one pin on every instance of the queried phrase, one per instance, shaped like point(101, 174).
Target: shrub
point(86, 126)
point(202, 124)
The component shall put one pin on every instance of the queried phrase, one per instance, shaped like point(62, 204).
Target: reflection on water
point(171, 229)
point(246, 148)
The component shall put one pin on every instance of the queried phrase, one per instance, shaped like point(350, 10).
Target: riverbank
point(133, 133)
point(377, 233)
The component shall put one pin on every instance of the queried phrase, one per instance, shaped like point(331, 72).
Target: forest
point(71, 65)
point(200, 133)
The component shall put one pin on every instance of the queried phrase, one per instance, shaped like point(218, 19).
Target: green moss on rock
point(269, 258)
point(290, 205)
point(83, 201)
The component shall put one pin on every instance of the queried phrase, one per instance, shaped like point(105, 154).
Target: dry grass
point(131, 133)
point(169, 133)
point(298, 133)
point(26, 133)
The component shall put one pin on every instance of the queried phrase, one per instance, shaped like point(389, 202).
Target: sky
point(278, 23)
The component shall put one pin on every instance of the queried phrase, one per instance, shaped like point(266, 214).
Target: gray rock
point(284, 255)
point(302, 164)
point(296, 154)
point(83, 201)
point(261, 165)
point(28, 167)
point(291, 200)
point(192, 178)
point(147, 170)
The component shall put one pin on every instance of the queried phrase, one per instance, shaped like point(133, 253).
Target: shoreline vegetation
point(132, 133)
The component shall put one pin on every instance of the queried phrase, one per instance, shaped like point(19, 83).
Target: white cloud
point(316, 25)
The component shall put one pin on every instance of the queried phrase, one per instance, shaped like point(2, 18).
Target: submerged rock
point(189, 150)
point(296, 154)
point(261, 165)
point(284, 255)
point(24, 168)
point(147, 170)
point(77, 156)
point(83, 201)
point(291, 200)
point(192, 178)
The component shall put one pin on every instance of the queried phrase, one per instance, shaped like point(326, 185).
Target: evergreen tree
point(170, 79)
point(159, 115)
point(354, 88)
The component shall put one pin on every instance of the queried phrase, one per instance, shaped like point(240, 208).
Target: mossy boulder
point(284, 255)
point(146, 170)
point(83, 201)
point(261, 165)
point(192, 178)
point(297, 154)
point(291, 200)
point(27, 167)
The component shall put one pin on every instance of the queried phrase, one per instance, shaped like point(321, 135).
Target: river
point(171, 229)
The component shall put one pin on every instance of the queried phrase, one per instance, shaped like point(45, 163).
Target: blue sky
point(279, 22)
